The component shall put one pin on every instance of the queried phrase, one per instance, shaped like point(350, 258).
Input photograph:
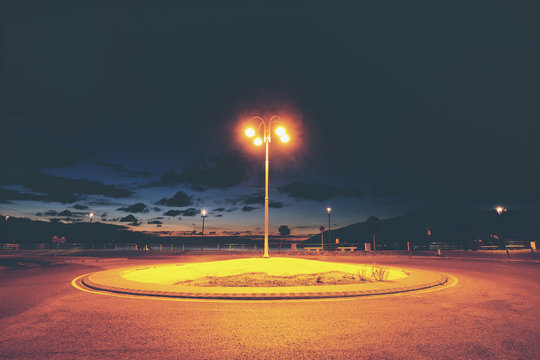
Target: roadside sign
point(321, 228)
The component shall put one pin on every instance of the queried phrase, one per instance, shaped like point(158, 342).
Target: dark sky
point(127, 107)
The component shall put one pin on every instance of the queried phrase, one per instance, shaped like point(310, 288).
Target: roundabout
point(261, 279)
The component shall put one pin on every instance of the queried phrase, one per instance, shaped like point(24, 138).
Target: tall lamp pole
point(329, 209)
point(5, 229)
point(202, 232)
point(500, 210)
point(91, 216)
point(250, 132)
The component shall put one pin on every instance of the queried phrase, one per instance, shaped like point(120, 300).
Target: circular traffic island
point(261, 278)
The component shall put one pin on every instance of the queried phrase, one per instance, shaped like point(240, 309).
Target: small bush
point(362, 275)
point(379, 273)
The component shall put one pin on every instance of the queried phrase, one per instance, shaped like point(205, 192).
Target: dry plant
point(362, 275)
point(380, 273)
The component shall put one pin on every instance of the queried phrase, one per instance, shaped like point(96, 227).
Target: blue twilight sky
point(139, 109)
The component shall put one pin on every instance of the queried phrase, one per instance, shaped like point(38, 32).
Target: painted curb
point(246, 295)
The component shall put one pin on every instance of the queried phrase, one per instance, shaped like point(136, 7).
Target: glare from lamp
point(250, 132)
point(280, 131)
point(258, 141)
point(285, 138)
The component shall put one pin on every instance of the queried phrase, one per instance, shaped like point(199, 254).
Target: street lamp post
point(91, 216)
point(329, 209)
point(202, 232)
point(5, 229)
point(250, 132)
point(500, 210)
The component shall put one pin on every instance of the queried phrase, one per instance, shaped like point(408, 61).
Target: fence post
point(218, 247)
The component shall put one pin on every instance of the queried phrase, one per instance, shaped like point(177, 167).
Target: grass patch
point(257, 279)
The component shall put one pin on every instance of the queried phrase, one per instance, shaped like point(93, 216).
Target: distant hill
point(449, 224)
point(24, 230)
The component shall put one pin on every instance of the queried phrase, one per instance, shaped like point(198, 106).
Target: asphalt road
point(492, 313)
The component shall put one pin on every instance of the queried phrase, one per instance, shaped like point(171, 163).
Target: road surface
point(493, 312)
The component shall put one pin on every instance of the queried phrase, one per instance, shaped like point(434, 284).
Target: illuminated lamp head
point(250, 132)
point(285, 138)
point(258, 141)
point(280, 131)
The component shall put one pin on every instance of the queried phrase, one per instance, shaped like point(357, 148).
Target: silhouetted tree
point(283, 231)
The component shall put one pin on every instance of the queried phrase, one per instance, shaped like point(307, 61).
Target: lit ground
point(273, 267)
point(492, 313)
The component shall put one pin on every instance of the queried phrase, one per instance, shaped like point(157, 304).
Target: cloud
point(172, 213)
point(218, 215)
point(248, 208)
point(221, 209)
point(256, 199)
point(275, 204)
point(190, 212)
point(31, 156)
point(156, 222)
point(129, 218)
point(180, 199)
point(104, 215)
point(80, 207)
point(221, 171)
point(135, 208)
point(156, 209)
point(319, 192)
point(65, 213)
point(104, 203)
point(8, 194)
point(125, 172)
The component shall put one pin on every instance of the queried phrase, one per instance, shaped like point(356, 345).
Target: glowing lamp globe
point(258, 141)
point(280, 131)
point(250, 132)
point(285, 138)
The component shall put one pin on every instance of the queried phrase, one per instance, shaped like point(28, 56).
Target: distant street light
point(5, 229)
point(329, 209)
point(282, 133)
point(91, 216)
point(501, 210)
point(203, 212)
